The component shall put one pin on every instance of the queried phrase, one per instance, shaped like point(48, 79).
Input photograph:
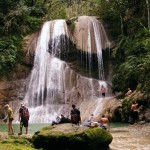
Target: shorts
point(11, 119)
point(103, 94)
point(24, 123)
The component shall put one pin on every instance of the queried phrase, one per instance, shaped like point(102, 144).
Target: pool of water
point(37, 126)
point(32, 127)
point(118, 124)
point(125, 137)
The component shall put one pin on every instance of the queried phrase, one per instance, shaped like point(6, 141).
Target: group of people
point(76, 119)
point(133, 115)
point(102, 123)
point(23, 118)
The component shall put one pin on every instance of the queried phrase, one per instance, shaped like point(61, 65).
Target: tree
point(148, 13)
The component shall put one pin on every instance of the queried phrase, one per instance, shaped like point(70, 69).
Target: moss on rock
point(15, 142)
point(71, 137)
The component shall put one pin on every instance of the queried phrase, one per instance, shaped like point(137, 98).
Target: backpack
point(74, 119)
point(25, 113)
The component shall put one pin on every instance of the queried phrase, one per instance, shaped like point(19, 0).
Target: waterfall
point(98, 43)
point(53, 86)
point(47, 77)
point(91, 38)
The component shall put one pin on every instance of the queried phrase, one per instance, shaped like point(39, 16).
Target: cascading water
point(91, 38)
point(53, 85)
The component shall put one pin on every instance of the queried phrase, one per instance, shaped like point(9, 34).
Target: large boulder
point(70, 137)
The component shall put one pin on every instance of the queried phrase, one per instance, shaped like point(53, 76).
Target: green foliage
point(125, 17)
point(20, 19)
point(9, 53)
point(17, 18)
point(133, 62)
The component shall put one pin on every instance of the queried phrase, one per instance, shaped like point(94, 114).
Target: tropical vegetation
point(127, 22)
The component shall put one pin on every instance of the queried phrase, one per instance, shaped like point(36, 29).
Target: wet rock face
point(88, 33)
point(11, 91)
point(29, 46)
point(71, 137)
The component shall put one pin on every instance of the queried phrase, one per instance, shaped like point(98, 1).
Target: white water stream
point(53, 86)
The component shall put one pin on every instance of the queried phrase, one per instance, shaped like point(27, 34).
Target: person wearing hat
point(9, 118)
point(23, 118)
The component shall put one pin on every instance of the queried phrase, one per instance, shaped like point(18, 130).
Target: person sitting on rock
point(129, 92)
point(91, 118)
point(61, 119)
point(104, 122)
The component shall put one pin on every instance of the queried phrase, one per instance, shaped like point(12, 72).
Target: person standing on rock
point(75, 115)
point(103, 91)
point(23, 118)
point(133, 117)
point(9, 118)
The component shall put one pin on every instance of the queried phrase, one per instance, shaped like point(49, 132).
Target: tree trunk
point(148, 12)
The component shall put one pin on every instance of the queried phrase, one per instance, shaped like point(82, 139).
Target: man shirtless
point(134, 106)
point(133, 117)
point(102, 91)
point(104, 122)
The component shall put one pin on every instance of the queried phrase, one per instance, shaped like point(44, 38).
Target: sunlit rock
point(90, 35)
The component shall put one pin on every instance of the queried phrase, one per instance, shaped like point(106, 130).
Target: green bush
point(133, 62)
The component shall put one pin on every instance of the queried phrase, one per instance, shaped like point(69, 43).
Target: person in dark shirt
point(23, 119)
point(75, 115)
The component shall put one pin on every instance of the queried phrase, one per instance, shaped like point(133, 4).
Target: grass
point(15, 142)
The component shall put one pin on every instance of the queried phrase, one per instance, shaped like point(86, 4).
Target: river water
point(132, 137)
